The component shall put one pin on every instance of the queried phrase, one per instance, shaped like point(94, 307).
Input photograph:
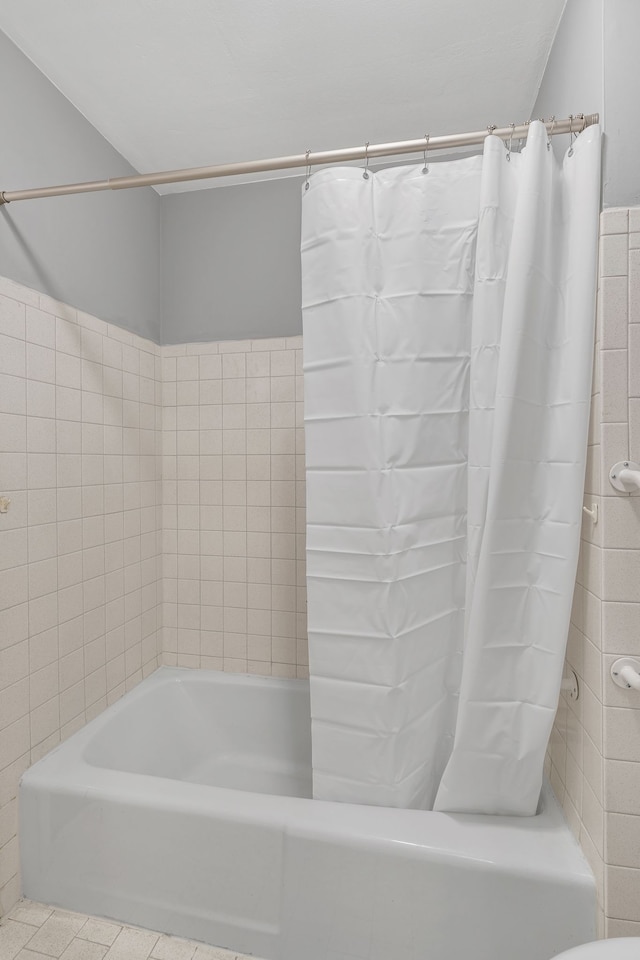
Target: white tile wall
point(594, 758)
point(80, 560)
point(118, 457)
point(233, 507)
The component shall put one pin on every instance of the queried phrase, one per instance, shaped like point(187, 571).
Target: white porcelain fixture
point(625, 672)
point(623, 948)
point(625, 476)
point(185, 808)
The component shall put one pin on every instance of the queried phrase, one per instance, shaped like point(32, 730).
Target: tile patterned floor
point(32, 931)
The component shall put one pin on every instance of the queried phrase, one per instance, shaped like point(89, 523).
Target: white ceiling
point(176, 83)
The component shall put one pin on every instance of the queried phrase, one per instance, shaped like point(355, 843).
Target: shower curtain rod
point(574, 124)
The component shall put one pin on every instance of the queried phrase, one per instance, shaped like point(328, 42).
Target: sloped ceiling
point(175, 83)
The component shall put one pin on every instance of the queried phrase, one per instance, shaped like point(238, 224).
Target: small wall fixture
point(625, 672)
point(570, 685)
point(625, 476)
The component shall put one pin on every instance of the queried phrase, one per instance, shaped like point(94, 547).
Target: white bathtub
point(185, 808)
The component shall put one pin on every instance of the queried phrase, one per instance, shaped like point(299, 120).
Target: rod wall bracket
point(625, 673)
point(624, 476)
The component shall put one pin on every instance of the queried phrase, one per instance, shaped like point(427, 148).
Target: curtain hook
point(365, 175)
point(425, 169)
point(570, 154)
point(513, 127)
point(307, 155)
point(550, 132)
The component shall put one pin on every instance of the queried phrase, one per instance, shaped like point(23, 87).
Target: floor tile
point(55, 934)
point(132, 944)
point(204, 952)
point(99, 931)
point(35, 931)
point(28, 912)
point(70, 915)
point(84, 950)
point(171, 948)
point(13, 937)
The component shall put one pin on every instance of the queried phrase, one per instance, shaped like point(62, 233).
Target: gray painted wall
point(594, 66)
point(231, 262)
point(99, 252)
point(224, 263)
point(573, 80)
point(622, 94)
point(231, 254)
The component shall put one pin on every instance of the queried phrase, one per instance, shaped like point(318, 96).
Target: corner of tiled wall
point(594, 752)
point(80, 429)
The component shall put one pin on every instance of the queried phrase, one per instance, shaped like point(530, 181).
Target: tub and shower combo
point(391, 807)
point(185, 807)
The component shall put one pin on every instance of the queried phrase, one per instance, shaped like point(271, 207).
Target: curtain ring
point(513, 126)
point(550, 133)
point(425, 169)
point(570, 154)
point(307, 155)
point(365, 175)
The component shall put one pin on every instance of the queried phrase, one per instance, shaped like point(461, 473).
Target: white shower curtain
point(448, 331)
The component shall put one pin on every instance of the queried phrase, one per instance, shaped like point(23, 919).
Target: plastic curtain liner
point(448, 321)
